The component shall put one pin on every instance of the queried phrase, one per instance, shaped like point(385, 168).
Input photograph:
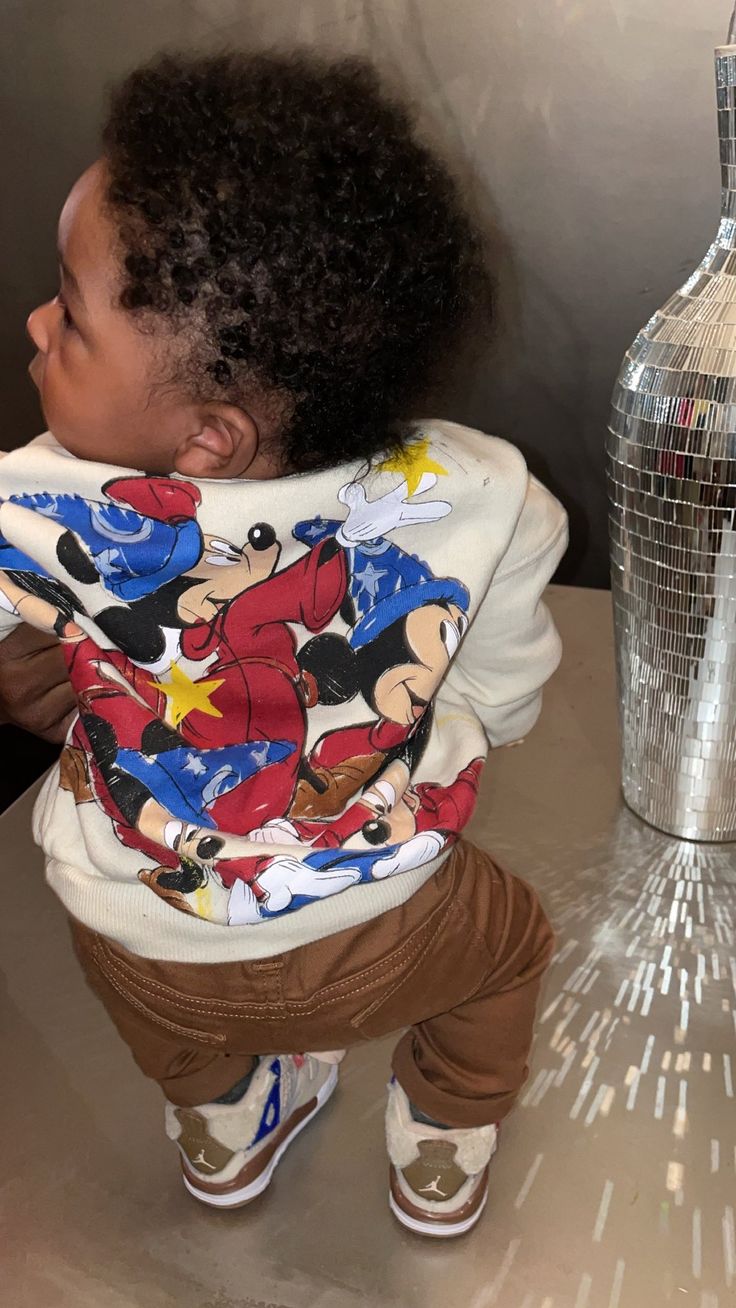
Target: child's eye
point(66, 317)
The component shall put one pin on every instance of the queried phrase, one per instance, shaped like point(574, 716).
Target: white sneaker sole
point(236, 1198)
point(434, 1229)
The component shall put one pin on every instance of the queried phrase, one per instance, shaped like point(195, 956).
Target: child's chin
point(69, 447)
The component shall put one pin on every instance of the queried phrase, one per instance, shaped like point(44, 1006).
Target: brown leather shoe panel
point(461, 1214)
point(434, 1175)
point(202, 1150)
point(252, 1169)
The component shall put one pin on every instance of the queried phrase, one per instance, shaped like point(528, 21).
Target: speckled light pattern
point(672, 488)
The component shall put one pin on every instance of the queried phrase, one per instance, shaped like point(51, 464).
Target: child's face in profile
point(105, 386)
point(93, 368)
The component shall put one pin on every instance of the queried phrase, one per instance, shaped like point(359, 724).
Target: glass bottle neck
point(726, 99)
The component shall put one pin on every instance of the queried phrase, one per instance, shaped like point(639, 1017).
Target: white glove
point(277, 831)
point(286, 877)
point(367, 520)
point(242, 906)
point(420, 849)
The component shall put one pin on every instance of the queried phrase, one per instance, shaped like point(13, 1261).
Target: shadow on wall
point(494, 374)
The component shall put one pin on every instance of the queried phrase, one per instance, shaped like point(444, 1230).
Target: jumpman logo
point(433, 1188)
point(201, 1161)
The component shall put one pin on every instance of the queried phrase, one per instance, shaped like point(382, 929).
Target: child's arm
point(9, 617)
point(35, 691)
point(512, 647)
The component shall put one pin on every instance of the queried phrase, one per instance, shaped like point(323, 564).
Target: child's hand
point(35, 692)
point(368, 520)
point(243, 906)
point(277, 831)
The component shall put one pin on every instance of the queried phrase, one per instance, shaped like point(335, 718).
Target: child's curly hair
point(279, 213)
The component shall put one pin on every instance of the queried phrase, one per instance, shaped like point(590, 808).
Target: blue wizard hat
point(385, 582)
point(134, 554)
point(186, 780)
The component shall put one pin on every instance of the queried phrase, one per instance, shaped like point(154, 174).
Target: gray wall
point(588, 125)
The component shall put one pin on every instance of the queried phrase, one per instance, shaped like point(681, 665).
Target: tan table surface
point(615, 1185)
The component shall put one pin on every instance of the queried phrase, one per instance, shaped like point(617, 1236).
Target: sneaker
point(438, 1177)
point(229, 1152)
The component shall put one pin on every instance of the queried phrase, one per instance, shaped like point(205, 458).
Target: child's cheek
point(52, 385)
point(60, 408)
point(70, 410)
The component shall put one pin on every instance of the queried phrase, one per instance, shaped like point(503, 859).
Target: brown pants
point(460, 964)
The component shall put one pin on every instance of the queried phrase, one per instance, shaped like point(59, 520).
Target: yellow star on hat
point(412, 462)
point(183, 695)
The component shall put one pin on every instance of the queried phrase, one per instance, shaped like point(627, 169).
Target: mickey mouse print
point(253, 712)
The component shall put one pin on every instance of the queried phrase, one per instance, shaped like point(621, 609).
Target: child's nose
point(37, 326)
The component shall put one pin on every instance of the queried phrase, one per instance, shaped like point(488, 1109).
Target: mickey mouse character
point(144, 534)
point(393, 809)
point(406, 625)
point(144, 549)
point(231, 608)
point(168, 777)
point(393, 827)
point(256, 661)
point(261, 684)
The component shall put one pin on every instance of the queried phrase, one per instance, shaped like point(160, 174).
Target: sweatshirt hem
point(117, 911)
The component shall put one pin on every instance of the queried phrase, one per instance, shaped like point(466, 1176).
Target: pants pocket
point(443, 971)
point(146, 997)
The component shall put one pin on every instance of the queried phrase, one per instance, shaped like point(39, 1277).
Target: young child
point(293, 622)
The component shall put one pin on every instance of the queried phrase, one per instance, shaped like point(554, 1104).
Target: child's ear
point(223, 443)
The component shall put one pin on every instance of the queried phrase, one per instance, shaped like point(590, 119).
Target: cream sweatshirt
point(286, 689)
